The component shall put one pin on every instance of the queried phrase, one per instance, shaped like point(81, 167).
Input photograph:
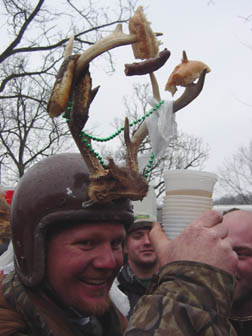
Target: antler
point(74, 84)
point(116, 39)
point(107, 182)
point(190, 93)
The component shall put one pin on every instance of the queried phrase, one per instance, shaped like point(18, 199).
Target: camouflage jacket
point(185, 298)
point(27, 312)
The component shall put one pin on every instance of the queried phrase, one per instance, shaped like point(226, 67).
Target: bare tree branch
point(37, 37)
point(10, 50)
point(236, 174)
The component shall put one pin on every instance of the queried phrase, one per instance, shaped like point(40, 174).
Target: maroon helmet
point(53, 192)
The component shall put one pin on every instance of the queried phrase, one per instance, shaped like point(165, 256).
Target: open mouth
point(94, 282)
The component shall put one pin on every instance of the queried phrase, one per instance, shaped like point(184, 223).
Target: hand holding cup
point(205, 240)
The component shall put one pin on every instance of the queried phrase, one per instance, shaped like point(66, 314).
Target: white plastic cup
point(179, 210)
point(189, 182)
point(187, 199)
point(182, 205)
point(183, 215)
point(188, 194)
point(181, 219)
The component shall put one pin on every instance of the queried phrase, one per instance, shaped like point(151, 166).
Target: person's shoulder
point(11, 321)
point(123, 275)
point(1, 281)
point(4, 306)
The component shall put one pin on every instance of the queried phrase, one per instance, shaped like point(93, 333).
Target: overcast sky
point(216, 33)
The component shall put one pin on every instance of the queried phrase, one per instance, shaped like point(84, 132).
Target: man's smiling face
point(82, 263)
point(139, 248)
point(239, 224)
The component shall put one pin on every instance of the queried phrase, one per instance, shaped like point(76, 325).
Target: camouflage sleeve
point(186, 298)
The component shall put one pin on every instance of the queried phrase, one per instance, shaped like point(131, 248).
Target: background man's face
point(83, 262)
point(139, 249)
point(240, 232)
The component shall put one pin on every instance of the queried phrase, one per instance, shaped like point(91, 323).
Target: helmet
point(52, 192)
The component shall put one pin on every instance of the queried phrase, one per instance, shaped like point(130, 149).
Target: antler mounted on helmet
point(73, 86)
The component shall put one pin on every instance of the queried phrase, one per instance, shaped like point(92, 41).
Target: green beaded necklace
point(85, 137)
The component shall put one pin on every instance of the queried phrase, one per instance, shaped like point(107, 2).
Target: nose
point(105, 258)
point(146, 239)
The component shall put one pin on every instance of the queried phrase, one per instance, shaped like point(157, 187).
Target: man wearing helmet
point(68, 251)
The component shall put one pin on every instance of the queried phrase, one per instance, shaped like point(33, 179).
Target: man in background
point(239, 224)
point(141, 264)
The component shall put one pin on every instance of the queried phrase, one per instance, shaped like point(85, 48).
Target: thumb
point(158, 239)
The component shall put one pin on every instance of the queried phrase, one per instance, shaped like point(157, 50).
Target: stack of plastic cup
point(188, 194)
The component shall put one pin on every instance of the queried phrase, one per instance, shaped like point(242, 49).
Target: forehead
point(140, 231)
point(239, 226)
point(97, 229)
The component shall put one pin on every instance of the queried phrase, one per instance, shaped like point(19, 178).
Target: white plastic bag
point(120, 300)
point(7, 260)
point(162, 126)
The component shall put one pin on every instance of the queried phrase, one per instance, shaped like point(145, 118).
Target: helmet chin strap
point(88, 204)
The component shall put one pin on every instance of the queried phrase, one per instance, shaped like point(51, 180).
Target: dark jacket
point(131, 286)
point(3, 247)
point(243, 326)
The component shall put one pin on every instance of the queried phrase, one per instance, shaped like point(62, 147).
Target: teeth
point(95, 282)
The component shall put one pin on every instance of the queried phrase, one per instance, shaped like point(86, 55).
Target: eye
point(137, 235)
point(117, 244)
point(87, 244)
point(243, 254)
